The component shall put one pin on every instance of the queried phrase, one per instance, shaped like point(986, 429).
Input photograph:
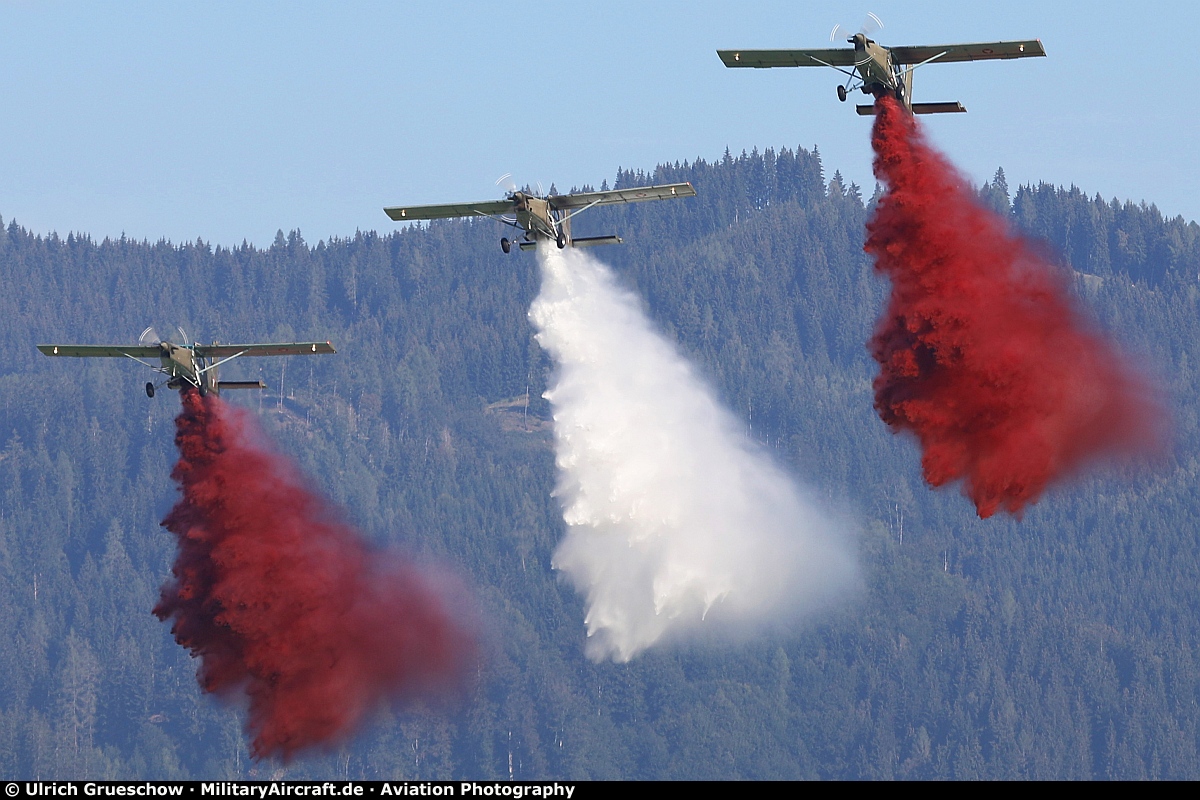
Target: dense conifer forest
point(1065, 644)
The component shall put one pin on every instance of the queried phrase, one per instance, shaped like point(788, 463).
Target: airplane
point(189, 366)
point(543, 217)
point(883, 70)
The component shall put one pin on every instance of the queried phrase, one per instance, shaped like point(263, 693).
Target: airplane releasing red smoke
point(285, 603)
point(982, 353)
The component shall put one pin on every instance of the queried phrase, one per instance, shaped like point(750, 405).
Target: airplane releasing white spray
point(677, 522)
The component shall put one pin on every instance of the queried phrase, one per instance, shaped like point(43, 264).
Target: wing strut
point(512, 223)
point(923, 63)
point(219, 363)
point(143, 363)
point(839, 69)
point(579, 211)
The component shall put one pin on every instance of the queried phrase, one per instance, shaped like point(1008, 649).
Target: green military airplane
point(543, 217)
point(882, 70)
point(193, 365)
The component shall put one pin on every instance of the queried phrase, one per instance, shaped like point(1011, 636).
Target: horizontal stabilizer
point(591, 241)
point(919, 108)
point(938, 108)
point(223, 385)
point(583, 241)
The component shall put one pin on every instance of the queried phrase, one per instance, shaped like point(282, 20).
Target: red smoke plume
point(285, 603)
point(982, 353)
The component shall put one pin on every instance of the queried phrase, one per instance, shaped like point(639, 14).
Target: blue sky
point(227, 121)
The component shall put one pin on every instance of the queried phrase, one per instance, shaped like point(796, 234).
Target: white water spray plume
point(677, 522)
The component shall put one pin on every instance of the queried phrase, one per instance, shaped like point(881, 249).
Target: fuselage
point(880, 76)
point(535, 216)
point(183, 368)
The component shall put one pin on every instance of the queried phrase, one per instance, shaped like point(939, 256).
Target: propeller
point(150, 336)
point(870, 25)
point(507, 183)
point(510, 186)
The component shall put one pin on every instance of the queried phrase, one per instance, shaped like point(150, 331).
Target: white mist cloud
point(677, 522)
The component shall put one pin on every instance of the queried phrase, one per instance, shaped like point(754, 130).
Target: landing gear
point(505, 244)
point(841, 93)
point(562, 240)
point(149, 390)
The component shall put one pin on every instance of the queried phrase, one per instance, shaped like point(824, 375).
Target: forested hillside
point(1062, 645)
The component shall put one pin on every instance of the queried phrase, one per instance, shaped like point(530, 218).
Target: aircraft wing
point(447, 210)
point(980, 51)
point(99, 350)
point(665, 192)
point(277, 349)
point(761, 59)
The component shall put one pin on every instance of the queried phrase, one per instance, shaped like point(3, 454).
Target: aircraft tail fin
point(223, 385)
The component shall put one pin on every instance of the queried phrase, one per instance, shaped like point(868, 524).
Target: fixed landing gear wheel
point(562, 240)
point(842, 93)
point(505, 244)
point(149, 390)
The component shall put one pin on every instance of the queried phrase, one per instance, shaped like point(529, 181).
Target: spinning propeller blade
point(870, 25)
point(507, 183)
